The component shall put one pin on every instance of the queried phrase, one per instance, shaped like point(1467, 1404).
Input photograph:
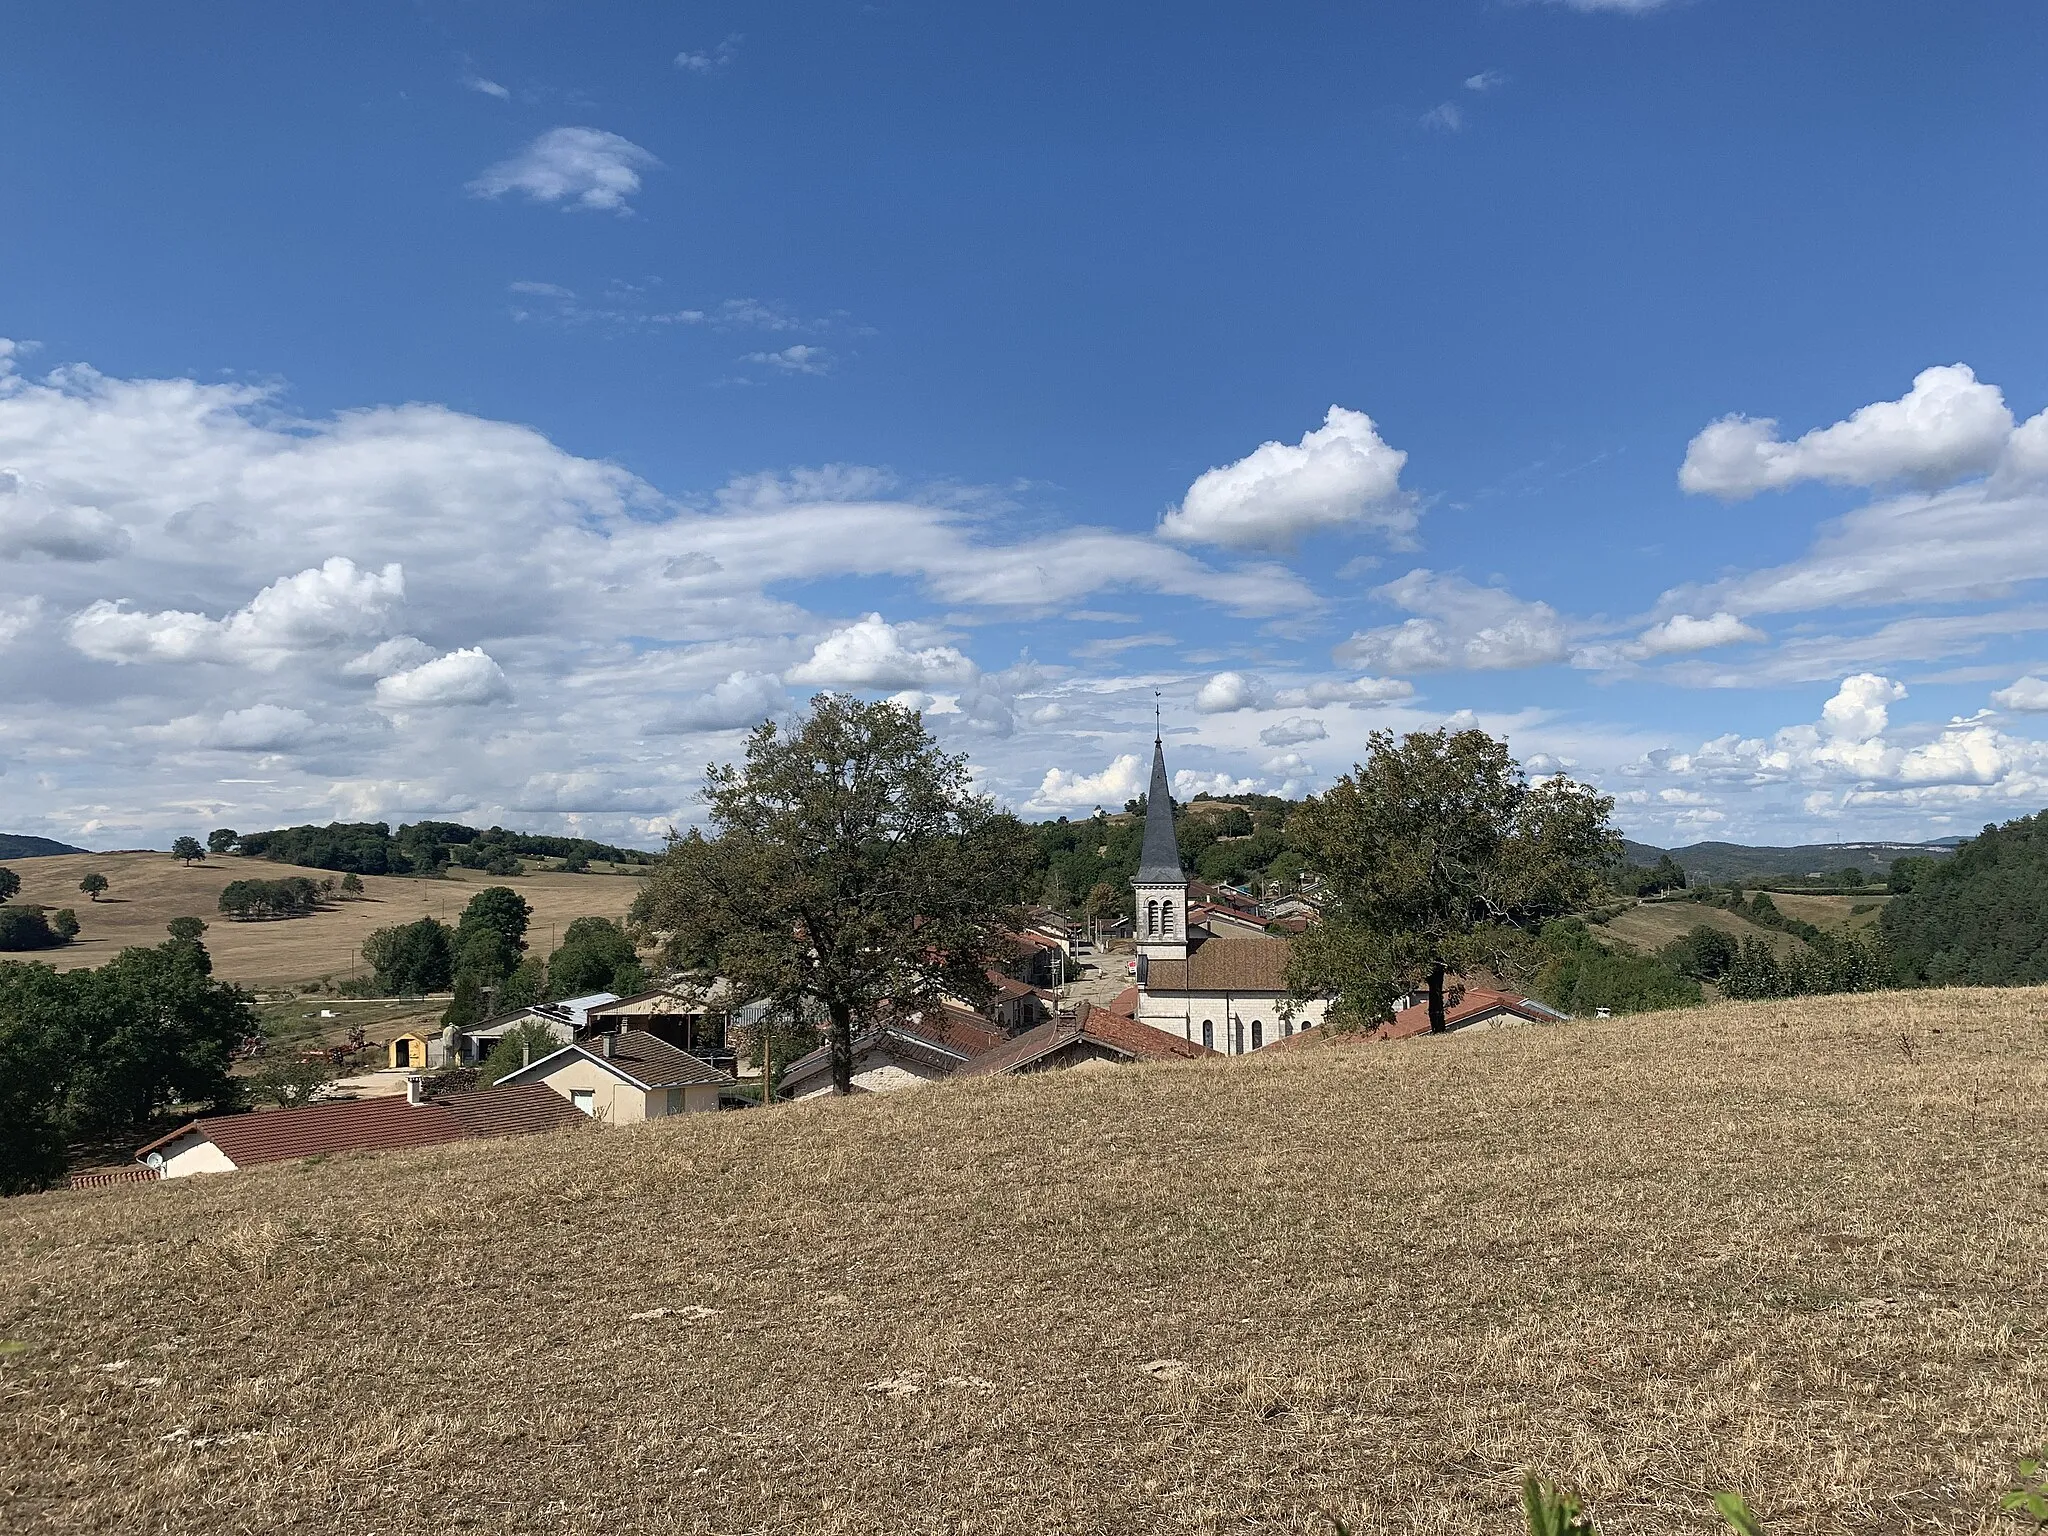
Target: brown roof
point(1478, 1003)
point(1224, 963)
point(377, 1125)
point(1097, 1026)
point(647, 1060)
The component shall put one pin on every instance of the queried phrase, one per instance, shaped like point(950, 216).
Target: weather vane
point(1155, 714)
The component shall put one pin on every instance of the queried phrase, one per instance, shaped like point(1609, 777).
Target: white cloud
point(2029, 695)
point(743, 699)
point(18, 618)
point(796, 359)
point(1446, 115)
point(1359, 692)
point(1122, 780)
point(872, 654)
point(1187, 784)
point(1228, 691)
point(1858, 712)
point(32, 522)
point(397, 654)
point(1682, 633)
point(467, 676)
point(1486, 80)
point(1341, 476)
point(1293, 732)
point(703, 62)
point(10, 351)
point(321, 605)
point(1947, 426)
point(485, 87)
point(1472, 627)
point(577, 167)
point(261, 728)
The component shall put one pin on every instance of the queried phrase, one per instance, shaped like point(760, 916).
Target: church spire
point(1159, 862)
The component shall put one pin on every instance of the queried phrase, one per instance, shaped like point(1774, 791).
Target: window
point(1237, 1038)
point(584, 1099)
point(1209, 1034)
point(1286, 1027)
point(1166, 918)
point(1258, 1034)
point(675, 1101)
point(1151, 918)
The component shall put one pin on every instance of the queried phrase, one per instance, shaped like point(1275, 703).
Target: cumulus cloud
point(397, 654)
point(1340, 477)
point(1447, 116)
point(1682, 633)
point(2029, 695)
point(320, 606)
point(584, 168)
point(706, 61)
point(18, 618)
point(873, 654)
point(261, 728)
point(743, 699)
point(1228, 691)
point(1486, 80)
point(1187, 784)
point(32, 522)
point(1060, 790)
point(795, 359)
point(1293, 732)
point(1358, 692)
point(1470, 627)
point(467, 676)
point(1947, 426)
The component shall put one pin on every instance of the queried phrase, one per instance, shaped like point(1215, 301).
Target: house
point(690, 1021)
point(1466, 1008)
point(627, 1076)
point(1224, 921)
point(1223, 990)
point(479, 1040)
point(1089, 1036)
point(223, 1143)
point(1018, 1004)
point(900, 1052)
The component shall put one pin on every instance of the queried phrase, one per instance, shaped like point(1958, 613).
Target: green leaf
point(1738, 1514)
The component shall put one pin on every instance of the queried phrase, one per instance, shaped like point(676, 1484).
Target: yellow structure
point(409, 1051)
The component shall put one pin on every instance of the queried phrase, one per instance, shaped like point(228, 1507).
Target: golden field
point(147, 890)
point(1793, 1249)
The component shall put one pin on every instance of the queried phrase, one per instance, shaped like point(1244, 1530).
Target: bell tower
point(1160, 886)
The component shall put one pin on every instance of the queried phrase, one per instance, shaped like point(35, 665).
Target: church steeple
point(1160, 887)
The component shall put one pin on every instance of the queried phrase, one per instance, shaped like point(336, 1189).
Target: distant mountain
point(1730, 861)
point(16, 845)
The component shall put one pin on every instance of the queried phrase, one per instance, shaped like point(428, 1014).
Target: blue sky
point(486, 411)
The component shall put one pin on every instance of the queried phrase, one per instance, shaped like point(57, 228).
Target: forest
point(1978, 918)
point(418, 848)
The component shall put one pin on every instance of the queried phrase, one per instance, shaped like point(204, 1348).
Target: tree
point(850, 867)
point(1436, 853)
point(517, 1047)
point(351, 884)
point(412, 958)
point(186, 849)
point(64, 923)
point(491, 935)
point(27, 928)
point(1103, 902)
point(189, 929)
point(10, 883)
point(526, 986)
point(596, 955)
point(221, 840)
point(287, 1082)
point(467, 1006)
point(93, 885)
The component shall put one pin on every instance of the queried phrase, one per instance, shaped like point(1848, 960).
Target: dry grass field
point(1652, 925)
point(1793, 1249)
point(1837, 914)
point(147, 890)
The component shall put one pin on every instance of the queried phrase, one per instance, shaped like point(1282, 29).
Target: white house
point(626, 1077)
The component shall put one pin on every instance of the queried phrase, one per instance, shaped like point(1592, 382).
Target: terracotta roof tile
point(1126, 1037)
point(1233, 963)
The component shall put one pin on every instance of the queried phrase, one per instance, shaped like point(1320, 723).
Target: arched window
point(1209, 1034)
point(1151, 918)
point(1237, 1038)
point(1258, 1034)
point(1166, 918)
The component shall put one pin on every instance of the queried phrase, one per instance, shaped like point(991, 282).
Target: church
point(1226, 992)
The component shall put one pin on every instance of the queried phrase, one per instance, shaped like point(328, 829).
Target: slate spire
point(1159, 862)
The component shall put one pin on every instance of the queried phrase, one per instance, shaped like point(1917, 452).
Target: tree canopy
point(1979, 918)
point(186, 850)
point(94, 884)
point(491, 935)
point(850, 867)
point(1437, 854)
point(412, 958)
point(595, 955)
point(10, 883)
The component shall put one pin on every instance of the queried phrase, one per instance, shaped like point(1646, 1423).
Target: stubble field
point(147, 890)
point(1792, 1249)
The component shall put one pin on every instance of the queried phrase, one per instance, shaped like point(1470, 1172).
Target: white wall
point(193, 1153)
point(1181, 1014)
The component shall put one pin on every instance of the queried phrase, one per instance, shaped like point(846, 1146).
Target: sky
point(490, 411)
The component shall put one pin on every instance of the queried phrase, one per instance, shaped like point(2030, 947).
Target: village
point(1193, 970)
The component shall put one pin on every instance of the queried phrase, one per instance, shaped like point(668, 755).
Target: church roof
point(1231, 964)
point(1159, 862)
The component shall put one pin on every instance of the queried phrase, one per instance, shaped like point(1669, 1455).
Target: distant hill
point(1730, 861)
point(18, 845)
point(1979, 918)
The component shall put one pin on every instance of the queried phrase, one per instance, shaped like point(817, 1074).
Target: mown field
point(147, 890)
point(1651, 925)
point(1792, 1249)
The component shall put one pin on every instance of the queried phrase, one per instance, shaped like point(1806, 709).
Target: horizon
point(418, 414)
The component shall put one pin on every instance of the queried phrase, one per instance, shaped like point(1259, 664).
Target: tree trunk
point(842, 1047)
point(1437, 1025)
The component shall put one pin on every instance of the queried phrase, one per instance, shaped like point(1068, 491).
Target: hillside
point(1785, 1248)
point(147, 890)
point(1742, 861)
point(19, 845)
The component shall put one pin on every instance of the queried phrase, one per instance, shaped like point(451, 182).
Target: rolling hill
point(19, 845)
point(1783, 1248)
point(1730, 861)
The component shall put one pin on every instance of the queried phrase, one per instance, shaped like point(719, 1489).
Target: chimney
point(525, 1053)
point(415, 1090)
point(611, 1045)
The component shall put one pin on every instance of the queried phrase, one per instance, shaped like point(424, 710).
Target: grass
point(1788, 1249)
point(149, 889)
point(1652, 925)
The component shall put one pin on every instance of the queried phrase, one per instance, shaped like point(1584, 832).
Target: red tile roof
point(378, 1125)
point(1478, 1004)
point(1096, 1026)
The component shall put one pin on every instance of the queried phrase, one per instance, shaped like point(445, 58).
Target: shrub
point(25, 928)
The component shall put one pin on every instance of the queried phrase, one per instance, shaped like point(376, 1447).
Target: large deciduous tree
point(412, 958)
point(491, 935)
point(10, 883)
point(850, 868)
point(186, 850)
point(1437, 854)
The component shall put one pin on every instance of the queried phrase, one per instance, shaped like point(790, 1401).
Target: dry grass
point(1837, 914)
point(1654, 924)
point(147, 890)
point(1793, 1249)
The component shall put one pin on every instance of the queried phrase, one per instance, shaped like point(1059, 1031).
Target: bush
point(26, 928)
point(517, 1048)
point(1581, 975)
